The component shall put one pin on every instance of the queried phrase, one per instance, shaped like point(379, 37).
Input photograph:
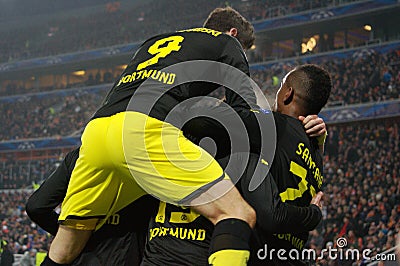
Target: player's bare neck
point(291, 110)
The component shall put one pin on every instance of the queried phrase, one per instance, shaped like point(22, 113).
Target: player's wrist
point(321, 139)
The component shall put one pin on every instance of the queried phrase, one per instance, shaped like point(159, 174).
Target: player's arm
point(41, 204)
point(275, 216)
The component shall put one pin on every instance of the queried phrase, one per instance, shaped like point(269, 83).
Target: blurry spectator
point(29, 258)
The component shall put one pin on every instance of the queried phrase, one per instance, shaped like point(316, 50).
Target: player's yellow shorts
point(130, 154)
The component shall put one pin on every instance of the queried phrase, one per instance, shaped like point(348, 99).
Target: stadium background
point(59, 58)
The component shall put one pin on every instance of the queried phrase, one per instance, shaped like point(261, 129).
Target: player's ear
point(288, 96)
point(233, 32)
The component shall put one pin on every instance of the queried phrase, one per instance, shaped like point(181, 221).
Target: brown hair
point(224, 19)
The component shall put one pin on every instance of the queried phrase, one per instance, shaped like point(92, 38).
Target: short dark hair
point(224, 19)
point(316, 85)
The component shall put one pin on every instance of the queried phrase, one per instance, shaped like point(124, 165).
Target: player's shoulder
point(288, 126)
point(286, 120)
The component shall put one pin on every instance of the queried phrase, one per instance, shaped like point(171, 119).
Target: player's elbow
point(33, 209)
point(30, 208)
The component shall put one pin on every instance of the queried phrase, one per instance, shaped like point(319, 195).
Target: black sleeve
point(273, 215)
point(41, 204)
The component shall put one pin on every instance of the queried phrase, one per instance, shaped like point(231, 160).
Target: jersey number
point(292, 193)
point(186, 216)
point(160, 50)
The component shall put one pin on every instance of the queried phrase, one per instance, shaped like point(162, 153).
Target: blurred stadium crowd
point(362, 188)
point(362, 160)
point(374, 76)
point(114, 25)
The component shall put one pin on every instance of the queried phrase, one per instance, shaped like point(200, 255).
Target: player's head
point(230, 21)
point(304, 91)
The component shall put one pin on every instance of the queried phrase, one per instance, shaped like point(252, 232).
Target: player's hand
point(317, 199)
point(314, 125)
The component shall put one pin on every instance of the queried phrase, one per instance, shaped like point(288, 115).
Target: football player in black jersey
point(297, 168)
point(120, 241)
point(128, 150)
point(282, 200)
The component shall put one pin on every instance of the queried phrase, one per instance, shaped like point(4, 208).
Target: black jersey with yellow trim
point(282, 200)
point(295, 175)
point(165, 50)
point(177, 236)
point(297, 172)
point(297, 163)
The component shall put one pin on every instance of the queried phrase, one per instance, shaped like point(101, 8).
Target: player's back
point(155, 62)
point(297, 163)
point(177, 236)
point(297, 171)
